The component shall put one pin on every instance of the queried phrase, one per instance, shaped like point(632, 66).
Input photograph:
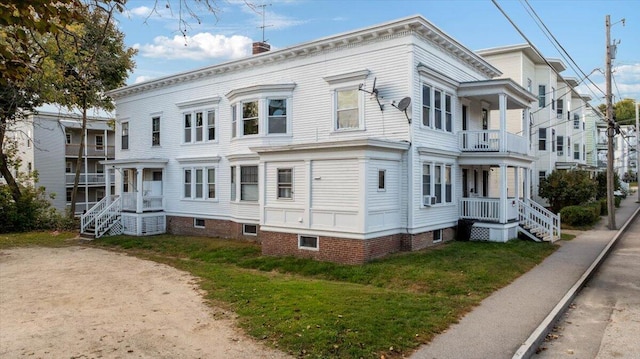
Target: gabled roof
point(410, 25)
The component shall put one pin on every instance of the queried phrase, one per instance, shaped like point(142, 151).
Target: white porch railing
point(489, 141)
point(149, 203)
point(88, 218)
point(484, 209)
point(89, 178)
point(110, 216)
point(540, 220)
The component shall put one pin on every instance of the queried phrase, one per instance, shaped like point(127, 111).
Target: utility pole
point(611, 131)
point(637, 150)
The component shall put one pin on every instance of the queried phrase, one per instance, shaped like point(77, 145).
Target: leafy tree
point(85, 60)
point(624, 110)
point(567, 188)
point(601, 181)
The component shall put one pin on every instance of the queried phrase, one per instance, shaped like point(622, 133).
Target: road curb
point(529, 347)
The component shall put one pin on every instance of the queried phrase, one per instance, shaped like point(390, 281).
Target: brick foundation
point(330, 249)
point(212, 228)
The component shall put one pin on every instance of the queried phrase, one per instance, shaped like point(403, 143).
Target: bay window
point(249, 183)
point(250, 118)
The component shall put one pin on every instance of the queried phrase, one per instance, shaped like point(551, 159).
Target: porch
point(492, 141)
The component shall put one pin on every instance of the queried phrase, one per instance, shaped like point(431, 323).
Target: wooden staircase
point(537, 222)
point(104, 218)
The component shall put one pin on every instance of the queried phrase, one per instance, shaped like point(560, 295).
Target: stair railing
point(534, 215)
point(89, 217)
point(108, 217)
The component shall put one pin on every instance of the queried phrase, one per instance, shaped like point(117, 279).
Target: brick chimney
point(260, 47)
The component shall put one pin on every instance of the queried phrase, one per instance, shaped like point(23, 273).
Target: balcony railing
point(149, 203)
point(490, 140)
point(71, 150)
point(89, 178)
point(487, 209)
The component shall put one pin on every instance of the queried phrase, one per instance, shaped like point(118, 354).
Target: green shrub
point(616, 201)
point(567, 188)
point(579, 215)
point(603, 207)
point(32, 212)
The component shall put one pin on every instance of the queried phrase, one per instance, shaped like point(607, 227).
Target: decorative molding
point(352, 76)
point(200, 159)
point(199, 102)
point(259, 89)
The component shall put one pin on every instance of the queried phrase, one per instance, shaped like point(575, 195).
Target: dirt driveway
point(78, 302)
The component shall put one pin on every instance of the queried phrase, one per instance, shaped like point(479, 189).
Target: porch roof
point(489, 90)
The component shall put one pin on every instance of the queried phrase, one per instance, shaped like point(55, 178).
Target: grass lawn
point(313, 309)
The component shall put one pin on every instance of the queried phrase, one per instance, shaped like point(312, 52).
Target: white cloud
point(140, 11)
point(142, 78)
point(201, 46)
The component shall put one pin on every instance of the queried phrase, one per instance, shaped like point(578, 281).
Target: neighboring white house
point(345, 149)
point(49, 142)
point(562, 123)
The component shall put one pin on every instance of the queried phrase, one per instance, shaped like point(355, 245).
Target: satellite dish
point(404, 104)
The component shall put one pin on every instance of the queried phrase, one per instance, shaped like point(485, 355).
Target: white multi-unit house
point(343, 149)
point(562, 123)
point(49, 142)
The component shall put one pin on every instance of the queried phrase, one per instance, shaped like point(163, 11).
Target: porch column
point(107, 181)
point(526, 129)
point(527, 184)
point(139, 189)
point(517, 184)
point(503, 193)
point(503, 122)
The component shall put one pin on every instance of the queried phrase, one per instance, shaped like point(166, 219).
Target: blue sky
point(579, 26)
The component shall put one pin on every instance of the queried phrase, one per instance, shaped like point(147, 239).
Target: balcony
point(92, 179)
point(490, 141)
point(71, 150)
point(149, 203)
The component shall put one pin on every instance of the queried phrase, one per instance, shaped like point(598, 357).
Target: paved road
point(604, 320)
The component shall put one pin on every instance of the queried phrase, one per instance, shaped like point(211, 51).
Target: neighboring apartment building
point(560, 118)
point(49, 143)
point(345, 149)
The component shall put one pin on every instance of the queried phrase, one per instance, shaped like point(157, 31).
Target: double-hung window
point(542, 96)
point(559, 109)
point(188, 125)
point(250, 120)
point(233, 183)
point(576, 121)
point(211, 125)
point(347, 109)
point(277, 116)
point(234, 121)
point(199, 183)
point(542, 139)
point(437, 183)
point(560, 145)
point(199, 126)
point(426, 105)
point(437, 176)
point(576, 151)
point(99, 143)
point(285, 183)
point(426, 179)
point(437, 109)
point(155, 131)
point(249, 183)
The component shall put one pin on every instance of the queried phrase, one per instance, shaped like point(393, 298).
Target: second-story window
point(542, 139)
point(68, 137)
point(199, 126)
point(347, 109)
point(576, 121)
point(559, 109)
point(277, 116)
point(542, 96)
point(124, 137)
point(553, 98)
point(187, 127)
point(560, 146)
point(234, 121)
point(576, 151)
point(155, 131)
point(99, 143)
point(211, 125)
point(250, 121)
point(426, 105)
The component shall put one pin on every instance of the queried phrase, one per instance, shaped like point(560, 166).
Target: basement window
point(250, 229)
point(198, 222)
point(308, 242)
point(437, 236)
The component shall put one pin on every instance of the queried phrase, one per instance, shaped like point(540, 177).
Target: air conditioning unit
point(428, 201)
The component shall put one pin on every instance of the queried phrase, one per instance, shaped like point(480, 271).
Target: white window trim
point(159, 130)
point(288, 120)
point(195, 221)
point(334, 99)
point(122, 124)
point(444, 92)
point(205, 183)
point(96, 142)
point(240, 133)
point(439, 231)
point(316, 248)
point(443, 183)
point(278, 184)
point(244, 230)
point(384, 176)
point(205, 125)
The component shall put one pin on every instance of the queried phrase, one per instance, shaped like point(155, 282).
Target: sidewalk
point(506, 319)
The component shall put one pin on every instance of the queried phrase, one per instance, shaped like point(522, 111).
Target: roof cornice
point(410, 25)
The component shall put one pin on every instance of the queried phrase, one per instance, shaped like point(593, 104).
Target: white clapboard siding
point(334, 184)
